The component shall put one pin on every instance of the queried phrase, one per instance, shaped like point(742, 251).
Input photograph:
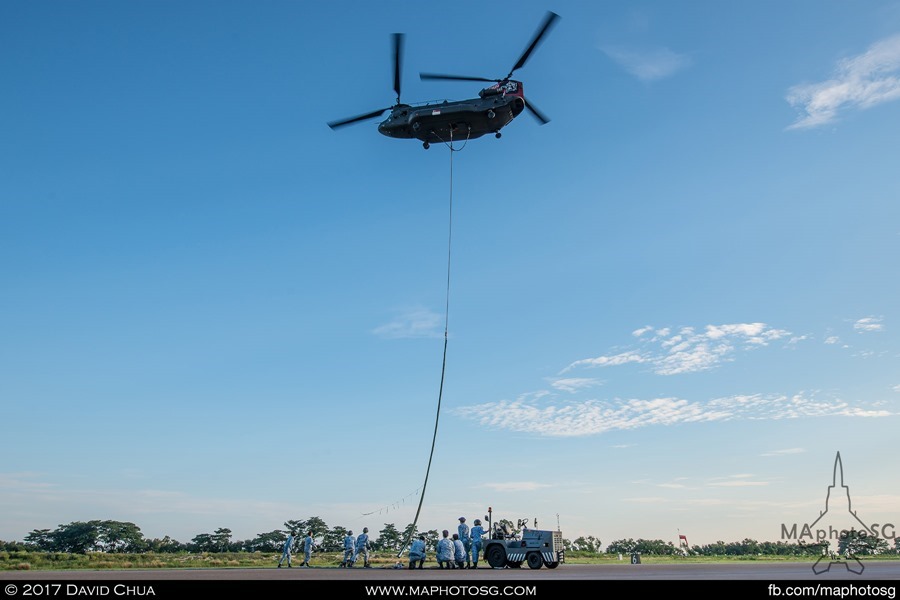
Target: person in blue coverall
point(417, 553)
point(445, 551)
point(362, 547)
point(477, 537)
point(463, 530)
point(286, 550)
point(349, 548)
point(308, 544)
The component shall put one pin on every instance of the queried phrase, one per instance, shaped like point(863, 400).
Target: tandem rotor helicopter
point(495, 107)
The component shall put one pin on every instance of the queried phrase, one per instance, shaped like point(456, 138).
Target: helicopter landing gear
point(426, 145)
point(497, 135)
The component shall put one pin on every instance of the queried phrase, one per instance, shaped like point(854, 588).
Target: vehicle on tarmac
point(535, 547)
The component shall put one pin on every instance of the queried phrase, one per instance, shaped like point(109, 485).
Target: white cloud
point(833, 339)
point(574, 384)
point(738, 483)
point(868, 324)
point(608, 361)
point(648, 65)
point(688, 351)
point(896, 388)
point(859, 82)
point(414, 323)
point(784, 452)
point(594, 417)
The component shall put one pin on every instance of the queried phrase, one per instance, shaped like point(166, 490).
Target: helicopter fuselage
point(457, 120)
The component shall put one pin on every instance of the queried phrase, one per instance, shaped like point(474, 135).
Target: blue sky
point(669, 307)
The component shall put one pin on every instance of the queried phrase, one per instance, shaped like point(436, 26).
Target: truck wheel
point(535, 561)
point(496, 556)
point(551, 565)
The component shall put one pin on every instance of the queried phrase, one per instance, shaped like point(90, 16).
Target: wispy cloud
point(738, 483)
point(594, 417)
point(648, 64)
point(868, 325)
point(575, 384)
point(859, 82)
point(413, 323)
point(687, 351)
point(609, 361)
point(784, 452)
point(24, 482)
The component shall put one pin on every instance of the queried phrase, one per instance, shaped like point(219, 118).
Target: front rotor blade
point(549, 20)
point(425, 76)
point(350, 121)
point(536, 113)
point(398, 57)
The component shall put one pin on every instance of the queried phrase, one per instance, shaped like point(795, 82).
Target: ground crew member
point(476, 535)
point(417, 553)
point(445, 550)
point(362, 546)
point(308, 544)
point(286, 550)
point(459, 552)
point(349, 547)
point(463, 530)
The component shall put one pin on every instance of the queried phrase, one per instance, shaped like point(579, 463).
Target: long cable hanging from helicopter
point(495, 107)
point(421, 491)
point(437, 415)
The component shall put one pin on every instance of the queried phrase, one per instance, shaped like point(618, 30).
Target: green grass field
point(56, 561)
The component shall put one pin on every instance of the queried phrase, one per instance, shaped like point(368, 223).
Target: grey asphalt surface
point(764, 571)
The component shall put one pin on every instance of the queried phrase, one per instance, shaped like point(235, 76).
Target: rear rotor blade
point(350, 121)
point(397, 41)
point(426, 76)
point(536, 113)
point(549, 20)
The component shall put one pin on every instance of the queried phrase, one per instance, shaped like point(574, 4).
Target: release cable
point(412, 529)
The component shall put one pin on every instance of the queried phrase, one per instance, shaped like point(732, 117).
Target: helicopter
point(430, 122)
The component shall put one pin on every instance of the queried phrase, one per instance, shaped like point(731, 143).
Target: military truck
point(535, 547)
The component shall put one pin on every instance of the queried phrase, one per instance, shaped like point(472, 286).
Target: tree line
point(118, 537)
